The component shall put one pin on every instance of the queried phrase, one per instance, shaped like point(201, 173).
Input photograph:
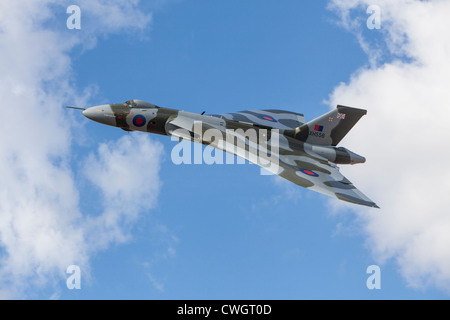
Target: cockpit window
point(139, 104)
point(130, 103)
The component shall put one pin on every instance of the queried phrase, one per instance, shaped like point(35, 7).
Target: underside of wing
point(278, 119)
point(321, 176)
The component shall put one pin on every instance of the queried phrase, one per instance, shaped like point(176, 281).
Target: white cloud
point(126, 172)
point(117, 17)
point(42, 229)
point(404, 135)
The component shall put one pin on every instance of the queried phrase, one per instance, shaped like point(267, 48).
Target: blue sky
point(220, 231)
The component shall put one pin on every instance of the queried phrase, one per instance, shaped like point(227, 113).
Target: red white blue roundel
point(139, 121)
point(309, 172)
point(267, 118)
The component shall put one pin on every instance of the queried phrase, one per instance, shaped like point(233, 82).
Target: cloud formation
point(42, 228)
point(404, 135)
point(126, 173)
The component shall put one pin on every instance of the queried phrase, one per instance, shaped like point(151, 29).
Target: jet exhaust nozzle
point(338, 155)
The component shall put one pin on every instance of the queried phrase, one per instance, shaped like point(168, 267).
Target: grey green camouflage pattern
point(306, 153)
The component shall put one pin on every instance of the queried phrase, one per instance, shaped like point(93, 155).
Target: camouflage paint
point(306, 151)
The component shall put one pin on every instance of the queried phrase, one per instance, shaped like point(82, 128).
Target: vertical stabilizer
point(330, 128)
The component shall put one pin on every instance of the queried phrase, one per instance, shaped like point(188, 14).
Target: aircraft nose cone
point(87, 113)
point(102, 114)
point(93, 113)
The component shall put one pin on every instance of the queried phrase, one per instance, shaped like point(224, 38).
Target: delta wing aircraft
point(282, 142)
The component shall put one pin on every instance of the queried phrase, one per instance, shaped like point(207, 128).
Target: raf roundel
point(309, 172)
point(267, 118)
point(139, 121)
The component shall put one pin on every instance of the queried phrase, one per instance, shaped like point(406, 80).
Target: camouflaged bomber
point(305, 153)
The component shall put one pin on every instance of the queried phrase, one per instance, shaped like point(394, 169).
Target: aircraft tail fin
point(330, 128)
